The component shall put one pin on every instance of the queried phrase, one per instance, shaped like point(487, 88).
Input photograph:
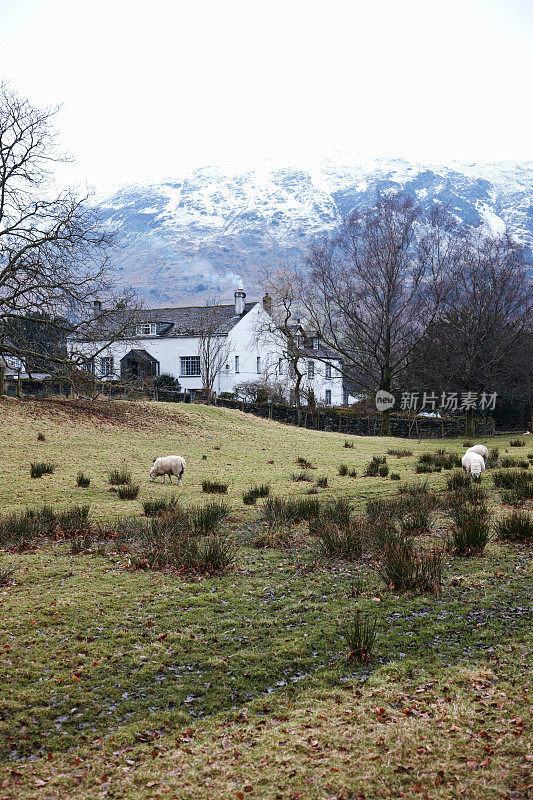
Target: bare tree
point(52, 249)
point(283, 330)
point(213, 348)
point(481, 341)
point(375, 287)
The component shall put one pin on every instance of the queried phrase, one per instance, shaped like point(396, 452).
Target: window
point(89, 366)
point(146, 329)
point(190, 366)
point(310, 370)
point(258, 365)
point(106, 366)
point(280, 366)
point(237, 364)
point(328, 370)
point(328, 397)
point(315, 342)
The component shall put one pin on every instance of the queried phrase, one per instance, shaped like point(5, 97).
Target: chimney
point(240, 297)
point(267, 303)
point(97, 306)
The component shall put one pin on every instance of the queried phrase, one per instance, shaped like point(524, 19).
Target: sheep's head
point(151, 475)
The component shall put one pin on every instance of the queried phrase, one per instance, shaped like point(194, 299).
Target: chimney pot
point(240, 301)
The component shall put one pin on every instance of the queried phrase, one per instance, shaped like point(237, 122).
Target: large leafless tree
point(481, 341)
point(375, 287)
point(282, 329)
point(52, 249)
point(213, 348)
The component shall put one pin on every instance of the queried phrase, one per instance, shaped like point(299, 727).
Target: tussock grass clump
point(167, 542)
point(458, 480)
point(400, 453)
point(300, 477)
point(437, 461)
point(281, 512)
point(249, 497)
point(412, 508)
point(214, 487)
point(384, 509)
point(352, 473)
point(82, 480)
point(159, 505)
point(304, 463)
point(515, 527)
point(24, 529)
point(518, 495)
point(372, 468)
point(414, 489)
point(471, 530)
point(206, 519)
point(337, 541)
point(322, 482)
point(511, 479)
point(517, 443)
point(128, 491)
point(507, 462)
point(383, 471)
point(422, 469)
point(118, 476)
point(492, 460)
point(359, 633)
point(403, 566)
point(339, 511)
point(74, 520)
point(395, 476)
point(348, 444)
point(41, 437)
point(40, 468)
point(343, 470)
point(468, 443)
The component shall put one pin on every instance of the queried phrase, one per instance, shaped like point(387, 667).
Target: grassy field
point(139, 684)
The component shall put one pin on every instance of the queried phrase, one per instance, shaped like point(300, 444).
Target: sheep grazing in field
point(480, 449)
point(168, 465)
point(473, 463)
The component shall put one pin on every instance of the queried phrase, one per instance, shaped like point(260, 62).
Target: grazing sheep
point(473, 463)
point(168, 465)
point(480, 449)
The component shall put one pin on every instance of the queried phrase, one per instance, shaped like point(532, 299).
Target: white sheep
point(168, 465)
point(480, 449)
point(473, 463)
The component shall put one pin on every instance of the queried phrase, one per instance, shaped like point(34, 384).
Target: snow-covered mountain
point(195, 238)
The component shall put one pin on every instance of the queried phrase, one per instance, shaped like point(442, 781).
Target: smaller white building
point(233, 337)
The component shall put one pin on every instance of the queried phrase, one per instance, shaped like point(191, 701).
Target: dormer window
point(315, 342)
point(146, 329)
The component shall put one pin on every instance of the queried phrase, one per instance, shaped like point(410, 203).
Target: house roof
point(140, 355)
point(191, 320)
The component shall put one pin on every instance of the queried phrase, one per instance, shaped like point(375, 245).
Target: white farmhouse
point(233, 337)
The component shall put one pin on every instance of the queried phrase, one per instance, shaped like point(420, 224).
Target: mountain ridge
point(190, 239)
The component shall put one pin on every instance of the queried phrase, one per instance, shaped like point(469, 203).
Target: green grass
point(139, 683)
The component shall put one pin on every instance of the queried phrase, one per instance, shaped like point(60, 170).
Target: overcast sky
point(151, 89)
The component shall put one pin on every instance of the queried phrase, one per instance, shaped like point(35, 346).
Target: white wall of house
point(245, 345)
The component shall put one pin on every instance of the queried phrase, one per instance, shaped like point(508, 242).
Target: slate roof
point(189, 320)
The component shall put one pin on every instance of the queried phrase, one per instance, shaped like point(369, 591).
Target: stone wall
point(347, 422)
